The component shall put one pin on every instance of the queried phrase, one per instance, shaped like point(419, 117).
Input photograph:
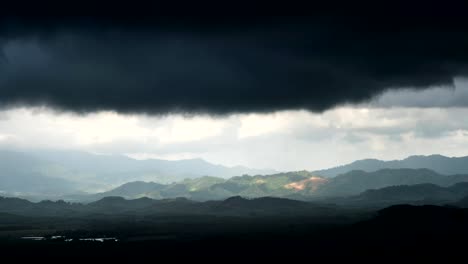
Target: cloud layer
point(221, 64)
point(286, 140)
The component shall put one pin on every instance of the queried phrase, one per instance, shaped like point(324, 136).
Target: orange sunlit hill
point(311, 183)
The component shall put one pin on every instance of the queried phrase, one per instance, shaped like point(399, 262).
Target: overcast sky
point(333, 84)
point(391, 126)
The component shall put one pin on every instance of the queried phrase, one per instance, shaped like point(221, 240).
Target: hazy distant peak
point(438, 163)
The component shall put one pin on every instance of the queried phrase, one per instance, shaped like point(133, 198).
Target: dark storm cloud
point(134, 60)
point(456, 96)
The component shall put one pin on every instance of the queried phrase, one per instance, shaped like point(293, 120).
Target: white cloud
point(289, 140)
point(184, 129)
point(259, 124)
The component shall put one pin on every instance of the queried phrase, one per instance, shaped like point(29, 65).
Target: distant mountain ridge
point(61, 172)
point(300, 185)
point(357, 181)
point(438, 163)
point(116, 165)
point(23, 173)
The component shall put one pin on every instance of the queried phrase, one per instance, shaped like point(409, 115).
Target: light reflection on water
point(34, 238)
point(89, 239)
point(101, 239)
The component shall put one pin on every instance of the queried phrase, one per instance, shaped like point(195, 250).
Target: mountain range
point(60, 172)
point(39, 175)
point(438, 163)
point(418, 194)
point(301, 185)
point(357, 181)
point(424, 194)
point(211, 188)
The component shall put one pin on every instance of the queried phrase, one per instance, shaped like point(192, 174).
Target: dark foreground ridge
point(119, 230)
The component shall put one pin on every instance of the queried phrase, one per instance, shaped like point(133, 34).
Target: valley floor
point(401, 233)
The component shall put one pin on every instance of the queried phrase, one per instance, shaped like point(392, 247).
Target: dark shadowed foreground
point(114, 229)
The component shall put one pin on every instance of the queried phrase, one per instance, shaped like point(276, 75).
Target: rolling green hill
point(301, 185)
point(212, 188)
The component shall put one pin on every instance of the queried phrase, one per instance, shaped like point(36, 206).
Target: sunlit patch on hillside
point(311, 183)
point(260, 181)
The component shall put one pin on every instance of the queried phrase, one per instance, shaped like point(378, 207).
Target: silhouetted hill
point(263, 203)
point(8, 204)
point(44, 208)
point(145, 206)
point(116, 205)
point(437, 163)
point(132, 190)
point(419, 193)
point(246, 229)
point(417, 219)
point(463, 202)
